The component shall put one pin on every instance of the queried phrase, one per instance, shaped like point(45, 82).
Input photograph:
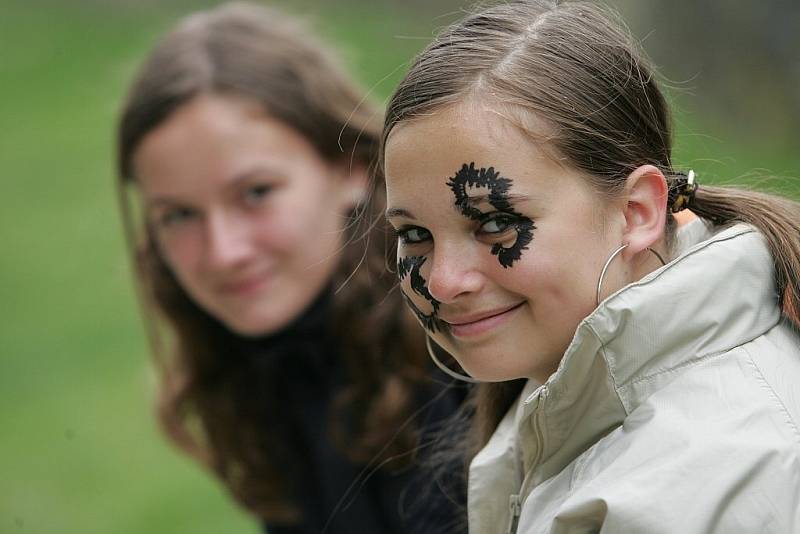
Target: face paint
point(470, 177)
point(411, 265)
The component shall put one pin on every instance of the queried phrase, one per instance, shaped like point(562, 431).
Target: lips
point(479, 323)
point(244, 286)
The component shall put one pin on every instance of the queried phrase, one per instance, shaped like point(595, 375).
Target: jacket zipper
point(537, 425)
point(515, 501)
point(516, 508)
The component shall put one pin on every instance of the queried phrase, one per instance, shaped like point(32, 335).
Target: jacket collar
point(718, 293)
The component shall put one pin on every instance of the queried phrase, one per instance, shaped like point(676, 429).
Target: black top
point(337, 496)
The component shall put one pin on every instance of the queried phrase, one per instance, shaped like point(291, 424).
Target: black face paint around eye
point(411, 265)
point(469, 176)
point(507, 256)
point(498, 188)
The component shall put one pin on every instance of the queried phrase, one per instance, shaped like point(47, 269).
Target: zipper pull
point(515, 507)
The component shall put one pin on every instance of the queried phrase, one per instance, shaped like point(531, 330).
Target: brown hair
point(212, 402)
point(570, 65)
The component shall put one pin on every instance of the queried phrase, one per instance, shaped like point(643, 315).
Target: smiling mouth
point(246, 286)
point(482, 323)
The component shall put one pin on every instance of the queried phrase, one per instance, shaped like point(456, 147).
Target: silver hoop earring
point(446, 370)
point(610, 259)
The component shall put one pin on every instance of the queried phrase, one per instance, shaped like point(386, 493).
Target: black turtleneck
point(304, 356)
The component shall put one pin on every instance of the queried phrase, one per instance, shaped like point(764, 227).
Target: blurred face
point(499, 245)
point(245, 212)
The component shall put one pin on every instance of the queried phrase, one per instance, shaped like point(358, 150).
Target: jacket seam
point(699, 359)
point(580, 467)
point(680, 367)
point(611, 370)
point(583, 459)
point(771, 391)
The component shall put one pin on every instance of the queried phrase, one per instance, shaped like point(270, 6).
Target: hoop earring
point(610, 259)
point(446, 370)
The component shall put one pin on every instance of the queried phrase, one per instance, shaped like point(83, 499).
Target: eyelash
point(256, 193)
point(174, 217)
point(497, 217)
point(403, 233)
point(502, 218)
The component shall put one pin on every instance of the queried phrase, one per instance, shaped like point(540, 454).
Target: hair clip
point(684, 189)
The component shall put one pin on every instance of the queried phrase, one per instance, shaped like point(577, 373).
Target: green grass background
point(79, 451)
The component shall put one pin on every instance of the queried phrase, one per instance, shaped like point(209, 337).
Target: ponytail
point(776, 217)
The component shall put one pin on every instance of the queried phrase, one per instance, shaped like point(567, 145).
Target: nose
point(454, 273)
point(229, 243)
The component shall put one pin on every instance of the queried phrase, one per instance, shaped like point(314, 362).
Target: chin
point(254, 328)
point(495, 375)
point(490, 364)
point(486, 373)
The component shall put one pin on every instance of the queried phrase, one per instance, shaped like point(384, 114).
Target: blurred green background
point(79, 450)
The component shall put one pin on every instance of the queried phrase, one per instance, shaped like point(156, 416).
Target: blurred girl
point(288, 372)
point(641, 374)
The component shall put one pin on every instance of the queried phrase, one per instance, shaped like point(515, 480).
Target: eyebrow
point(474, 200)
point(234, 183)
point(252, 173)
point(162, 202)
point(398, 212)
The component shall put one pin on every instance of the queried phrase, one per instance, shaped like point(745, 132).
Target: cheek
point(414, 287)
point(184, 260)
point(314, 227)
point(280, 229)
point(181, 253)
point(277, 235)
point(412, 277)
point(558, 284)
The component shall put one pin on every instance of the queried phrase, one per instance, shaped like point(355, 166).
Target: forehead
point(422, 154)
point(206, 127)
point(211, 140)
point(446, 134)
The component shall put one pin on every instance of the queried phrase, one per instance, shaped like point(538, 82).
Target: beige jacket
point(675, 410)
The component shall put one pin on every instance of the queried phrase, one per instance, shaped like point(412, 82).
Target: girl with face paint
point(290, 374)
point(629, 351)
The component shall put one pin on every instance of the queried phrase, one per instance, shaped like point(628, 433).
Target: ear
point(353, 184)
point(646, 209)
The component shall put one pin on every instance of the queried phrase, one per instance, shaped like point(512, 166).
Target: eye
point(175, 216)
point(497, 224)
point(256, 193)
point(411, 235)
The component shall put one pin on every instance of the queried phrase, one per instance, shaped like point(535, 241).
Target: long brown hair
point(212, 403)
point(573, 66)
